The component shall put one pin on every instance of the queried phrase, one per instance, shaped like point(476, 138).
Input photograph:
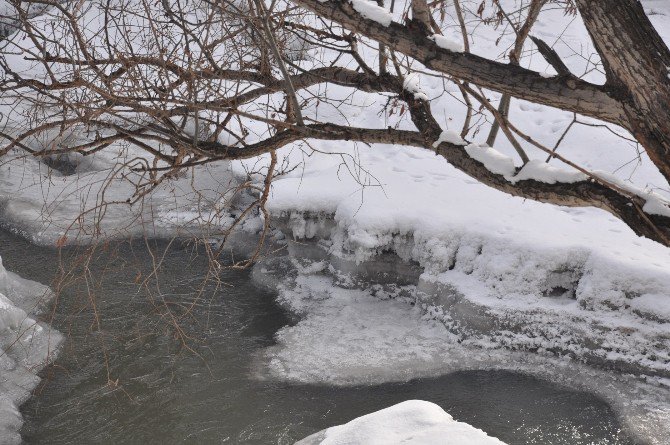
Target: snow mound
point(415, 422)
point(543, 172)
point(26, 346)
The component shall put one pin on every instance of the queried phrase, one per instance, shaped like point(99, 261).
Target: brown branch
point(551, 56)
point(568, 94)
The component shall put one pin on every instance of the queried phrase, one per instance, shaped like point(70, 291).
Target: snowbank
point(412, 422)
point(92, 202)
point(26, 346)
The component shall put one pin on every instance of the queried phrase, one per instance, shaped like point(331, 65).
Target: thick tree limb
point(636, 61)
point(567, 94)
point(578, 194)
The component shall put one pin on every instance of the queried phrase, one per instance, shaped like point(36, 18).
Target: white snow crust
point(447, 43)
point(371, 11)
point(449, 136)
point(414, 422)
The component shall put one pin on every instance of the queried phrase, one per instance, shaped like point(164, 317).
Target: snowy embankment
point(87, 199)
point(574, 282)
point(412, 422)
point(26, 346)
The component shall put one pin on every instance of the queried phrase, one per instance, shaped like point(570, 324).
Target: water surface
point(172, 363)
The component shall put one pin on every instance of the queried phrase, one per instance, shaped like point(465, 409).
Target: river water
point(170, 360)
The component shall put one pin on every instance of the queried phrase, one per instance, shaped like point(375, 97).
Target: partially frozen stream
point(164, 393)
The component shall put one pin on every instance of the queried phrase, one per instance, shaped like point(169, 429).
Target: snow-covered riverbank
point(26, 346)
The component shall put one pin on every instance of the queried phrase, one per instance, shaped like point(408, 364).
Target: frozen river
point(174, 362)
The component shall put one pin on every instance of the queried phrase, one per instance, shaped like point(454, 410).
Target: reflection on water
point(171, 363)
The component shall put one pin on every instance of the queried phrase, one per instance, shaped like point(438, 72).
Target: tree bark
point(637, 63)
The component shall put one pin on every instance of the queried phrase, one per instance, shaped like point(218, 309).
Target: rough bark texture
point(637, 63)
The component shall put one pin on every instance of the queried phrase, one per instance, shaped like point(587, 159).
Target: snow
point(569, 276)
point(535, 169)
point(543, 172)
point(653, 304)
point(348, 334)
point(413, 422)
point(493, 160)
point(655, 203)
point(43, 204)
point(411, 84)
point(447, 43)
point(25, 347)
point(451, 137)
point(371, 11)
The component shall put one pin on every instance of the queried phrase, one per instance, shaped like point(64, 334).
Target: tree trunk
point(637, 63)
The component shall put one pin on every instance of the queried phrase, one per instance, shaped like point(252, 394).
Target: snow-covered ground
point(501, 282)
point(412, 422)
point(26, 345)
point(52, 208)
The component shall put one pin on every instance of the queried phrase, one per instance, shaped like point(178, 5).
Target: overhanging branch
point(567, 94)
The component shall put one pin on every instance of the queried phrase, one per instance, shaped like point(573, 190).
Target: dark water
point(170, 363)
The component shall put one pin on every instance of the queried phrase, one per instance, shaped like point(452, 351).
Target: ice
point(349, 334)
point(25, 347)
point(414, 422)
point(359, 336)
